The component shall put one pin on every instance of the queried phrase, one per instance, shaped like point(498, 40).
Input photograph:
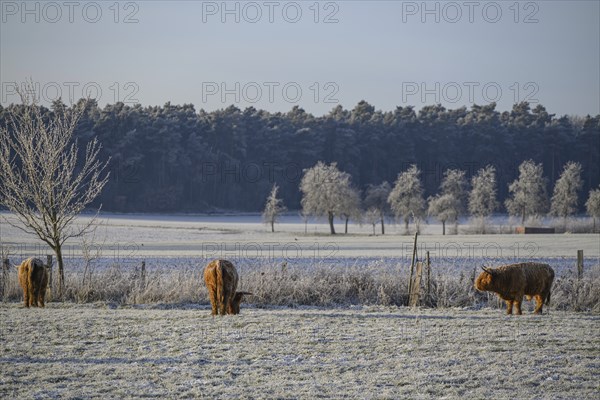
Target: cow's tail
point(219, 280)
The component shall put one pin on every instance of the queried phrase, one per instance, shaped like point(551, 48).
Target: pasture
point(327, 320)
point(93, 351)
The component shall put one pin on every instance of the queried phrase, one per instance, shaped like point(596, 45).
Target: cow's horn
point(245, 293)
point(488, 270)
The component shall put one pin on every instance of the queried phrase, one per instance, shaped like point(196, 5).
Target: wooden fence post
point(143, 275)
point(413, 299)
point(579, 264)
point(5, 275)
point(428, 264)
point(412, 267)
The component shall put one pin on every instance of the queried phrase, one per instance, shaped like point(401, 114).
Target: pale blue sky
point(379, 51)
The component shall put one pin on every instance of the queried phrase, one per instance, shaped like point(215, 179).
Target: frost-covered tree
point(564, 197)
point(350, 207)
point(324, 188)
point(46, 180)
point(592, 205)
point(406, 198)
point(377, 199)
point(528, 195)
point(450, 203)
point(273, 208)
point(444, 208)
point(482, 198)
point(372, 216)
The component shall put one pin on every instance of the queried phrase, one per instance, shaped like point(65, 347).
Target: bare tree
point(350, 207)
point(273, 208)
point(323, 190)
point(528, 193)
point(372, 216)
point(564, 198)
point(450, 203)
point(593, 205)
point(406, 198)
point(43, 181)
point(482, 199)
point(376, 199)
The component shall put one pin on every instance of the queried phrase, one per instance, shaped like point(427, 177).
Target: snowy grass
point(93, 351)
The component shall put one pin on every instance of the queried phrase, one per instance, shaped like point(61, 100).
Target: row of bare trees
point(328, 192)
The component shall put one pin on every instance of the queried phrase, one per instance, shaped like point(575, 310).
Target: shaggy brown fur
point(221, 279)
point(33, 278)
point(512, 282)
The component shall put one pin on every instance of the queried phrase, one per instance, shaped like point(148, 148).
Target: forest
point(175, 158)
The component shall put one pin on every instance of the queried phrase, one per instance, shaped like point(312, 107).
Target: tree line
point(329, 192)
point(174, 158)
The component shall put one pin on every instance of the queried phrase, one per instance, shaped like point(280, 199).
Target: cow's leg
point(225, 305)
point(509, 307)
point(32, 297)
point(518, 302)
point(26, 297)
point(212, 294)
point(539, 303)
point(42, 297)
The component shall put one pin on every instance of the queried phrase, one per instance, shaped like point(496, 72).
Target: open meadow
point(327, 319)
point(93, 351)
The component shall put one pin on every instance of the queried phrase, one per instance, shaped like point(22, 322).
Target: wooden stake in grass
point(579, 264)
point(412, 267)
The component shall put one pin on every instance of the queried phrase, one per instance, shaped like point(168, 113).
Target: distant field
point(247, 237)
point(91, 351)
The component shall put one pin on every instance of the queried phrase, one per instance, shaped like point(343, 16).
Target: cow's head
point(485, 280)
point(234, 305)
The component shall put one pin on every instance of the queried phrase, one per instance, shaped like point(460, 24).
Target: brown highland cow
point(221, 279)
point(33, 278)
point(512, 282)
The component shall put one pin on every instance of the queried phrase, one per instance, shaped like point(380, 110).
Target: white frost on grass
point(68, 351)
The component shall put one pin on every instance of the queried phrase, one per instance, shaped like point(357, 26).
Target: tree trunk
point(346, 228)
point(406, 226)
point(330, 217)
point(373, 229)
point(523, 218)
point(272, 226)
point(444, 228)
point(61, 271)
point(382, 227)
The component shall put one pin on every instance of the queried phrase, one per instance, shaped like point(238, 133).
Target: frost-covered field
point(90, 351)
point(136, 236)
point(170, 346)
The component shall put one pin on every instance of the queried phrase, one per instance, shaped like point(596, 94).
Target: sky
point(274, 55)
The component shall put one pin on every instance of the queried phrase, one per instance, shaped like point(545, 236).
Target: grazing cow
point(33, 278)
point(221, 279)
point(512, 282)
